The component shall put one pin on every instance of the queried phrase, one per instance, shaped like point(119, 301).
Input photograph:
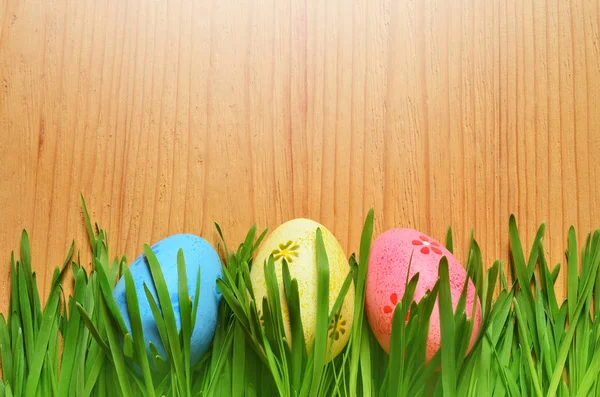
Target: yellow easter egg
point(295, 241)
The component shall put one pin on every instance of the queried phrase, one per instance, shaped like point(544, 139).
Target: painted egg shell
point(295, 241)
point(199, 256)
point(386, 282)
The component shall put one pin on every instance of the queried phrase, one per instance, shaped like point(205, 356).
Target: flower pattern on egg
point(337, 327)
point(287, 251)
point(389, 309)
point(427, 245)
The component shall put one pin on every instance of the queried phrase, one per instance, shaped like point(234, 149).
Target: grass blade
point(92, 328)
point(320, 345)
point(116, 351)
point(572, 273)
point(449, 241)
point(111, 303)
point(196, 302)
point(298, 358)
point(356, 339)
point(164, 300)
point(525, 348)
point(447, 331)
point(137, 330)
point(26, 316)
point(186, 317)
point(6, 360)
point(41, 344)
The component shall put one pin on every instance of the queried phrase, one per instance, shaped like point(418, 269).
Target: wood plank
point(170, 115)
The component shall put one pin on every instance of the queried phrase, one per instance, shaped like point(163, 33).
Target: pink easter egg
point(386, 282)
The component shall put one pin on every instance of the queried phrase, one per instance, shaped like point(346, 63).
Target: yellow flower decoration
point(287, 251)
point(337, 327)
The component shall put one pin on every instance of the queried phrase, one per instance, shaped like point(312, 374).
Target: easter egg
point(295, 241)
point(386, 281)
point(199, 256)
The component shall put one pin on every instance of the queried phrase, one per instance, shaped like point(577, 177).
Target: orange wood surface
point(170, 115)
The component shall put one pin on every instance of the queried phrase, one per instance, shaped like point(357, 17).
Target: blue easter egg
point(199, 256)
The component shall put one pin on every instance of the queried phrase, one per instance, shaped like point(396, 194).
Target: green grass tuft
point(530, 342)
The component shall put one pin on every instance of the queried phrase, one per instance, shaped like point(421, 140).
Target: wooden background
point(169, 115)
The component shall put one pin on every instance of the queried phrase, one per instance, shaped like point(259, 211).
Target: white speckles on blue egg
point(199, 255)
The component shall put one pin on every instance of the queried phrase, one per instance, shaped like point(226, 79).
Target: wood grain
point(170, 115)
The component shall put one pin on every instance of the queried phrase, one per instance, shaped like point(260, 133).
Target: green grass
point(530, 344)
